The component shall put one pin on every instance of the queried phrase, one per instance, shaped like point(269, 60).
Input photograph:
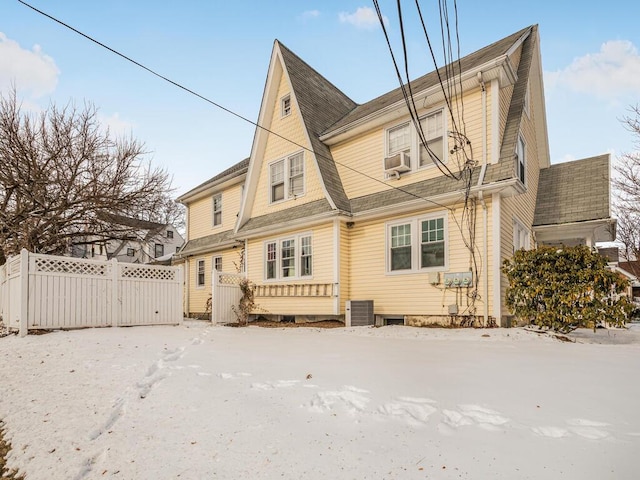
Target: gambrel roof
point(321, 104)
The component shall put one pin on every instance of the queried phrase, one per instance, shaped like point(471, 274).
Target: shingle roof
point(287, 215)
point(575, 191)
point(416, 191)
point(231, 172)
point(321, 104)
point(210, 242)
point(468, 62)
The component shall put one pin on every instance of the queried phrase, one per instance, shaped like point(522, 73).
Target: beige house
point(341, 211)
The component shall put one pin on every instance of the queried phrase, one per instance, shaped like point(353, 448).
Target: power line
point(215, 104)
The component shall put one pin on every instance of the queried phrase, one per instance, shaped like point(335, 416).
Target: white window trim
point(298, 258)
point(524, 159)
point(414, 151)
point(213, 210)
point(286, 162)
point(527, 100)
point(204, 277)
point(415, 243)
point(518, 228)
point(214, 259)
point(283, 112)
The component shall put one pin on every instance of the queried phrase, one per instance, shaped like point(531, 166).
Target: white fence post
point(115, 304)
point(24, 292)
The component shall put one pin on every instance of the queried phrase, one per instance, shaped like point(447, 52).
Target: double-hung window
point(200, 273)
point(286, 178)
point(217, 264)
point(417, 244)
point(433, 132)
point(405, 139)
point(521, 160)
point(158, 250)
point(217, 210)
point(288, 258)
point(520, 236)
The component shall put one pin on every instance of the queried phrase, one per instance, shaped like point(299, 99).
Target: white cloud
point(116, 125)
point(309, 14)
point(364, 17)
point(611, 73)
point(29, 71)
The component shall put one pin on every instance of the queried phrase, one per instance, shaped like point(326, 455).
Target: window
point(285, 106)
point(217, 264)
point(289, 258)
point(158, 250)
point(432, 129)
point(521, 160)
point(417, 244)
point(271, 260)
point(432, 243)
point(130, 252)
point(405, 138)
point(287, 178)
point(200, 273)
point(520, 236)
point(401, 247)
point(169, 234)
point(217, 210)
point(527, 93)
point(177, 249)
point(306, 253)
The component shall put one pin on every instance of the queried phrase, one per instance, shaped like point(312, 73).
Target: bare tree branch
point(62, 174)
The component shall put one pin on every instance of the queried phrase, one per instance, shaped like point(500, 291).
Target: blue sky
point(221, 50)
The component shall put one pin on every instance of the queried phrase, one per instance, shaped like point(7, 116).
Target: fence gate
point(225, 296)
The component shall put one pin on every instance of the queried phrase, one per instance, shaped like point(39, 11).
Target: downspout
point(485, 232)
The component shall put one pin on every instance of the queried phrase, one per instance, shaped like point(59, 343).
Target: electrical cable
point(241, 117)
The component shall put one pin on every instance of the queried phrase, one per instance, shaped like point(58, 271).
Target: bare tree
point(63, 177)
point(627, 185)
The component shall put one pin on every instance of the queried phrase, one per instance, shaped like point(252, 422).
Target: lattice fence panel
point(63, 265)
point(229, 279)
point(147, 273)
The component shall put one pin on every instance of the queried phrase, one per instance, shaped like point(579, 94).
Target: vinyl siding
point(360, 160)
point(198, 295)
point(322, 266)
point(201, 213)
point(407, 293)
point(290, 127)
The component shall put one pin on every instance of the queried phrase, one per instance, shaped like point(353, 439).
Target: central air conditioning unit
point(359, 313)
point(398, 163)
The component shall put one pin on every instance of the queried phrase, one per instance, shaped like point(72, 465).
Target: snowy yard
point(197, 401)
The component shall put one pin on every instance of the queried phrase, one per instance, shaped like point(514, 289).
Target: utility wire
point(241, 117)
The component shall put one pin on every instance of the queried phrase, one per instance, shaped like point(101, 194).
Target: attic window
point(521, 160)
point(286, 106)
point(527, 94)
point(169, 234)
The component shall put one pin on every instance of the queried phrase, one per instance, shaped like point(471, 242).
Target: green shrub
point(565, 288)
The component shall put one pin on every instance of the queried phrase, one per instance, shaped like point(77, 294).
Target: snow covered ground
point(204, 402)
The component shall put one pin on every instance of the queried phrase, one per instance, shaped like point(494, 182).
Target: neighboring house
point(151, 242)
point(631, 270)
point(340, 202)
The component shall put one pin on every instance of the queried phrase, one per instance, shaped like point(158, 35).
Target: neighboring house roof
point(210, 242)
point(131, 222)
point(633, 267)
point(236, 170)
point(573, 192)
point(321, 104)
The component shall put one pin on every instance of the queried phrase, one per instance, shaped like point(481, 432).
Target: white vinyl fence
point(225, 296)
point(50, 292)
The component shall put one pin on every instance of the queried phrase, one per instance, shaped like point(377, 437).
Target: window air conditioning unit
point(398, 163)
